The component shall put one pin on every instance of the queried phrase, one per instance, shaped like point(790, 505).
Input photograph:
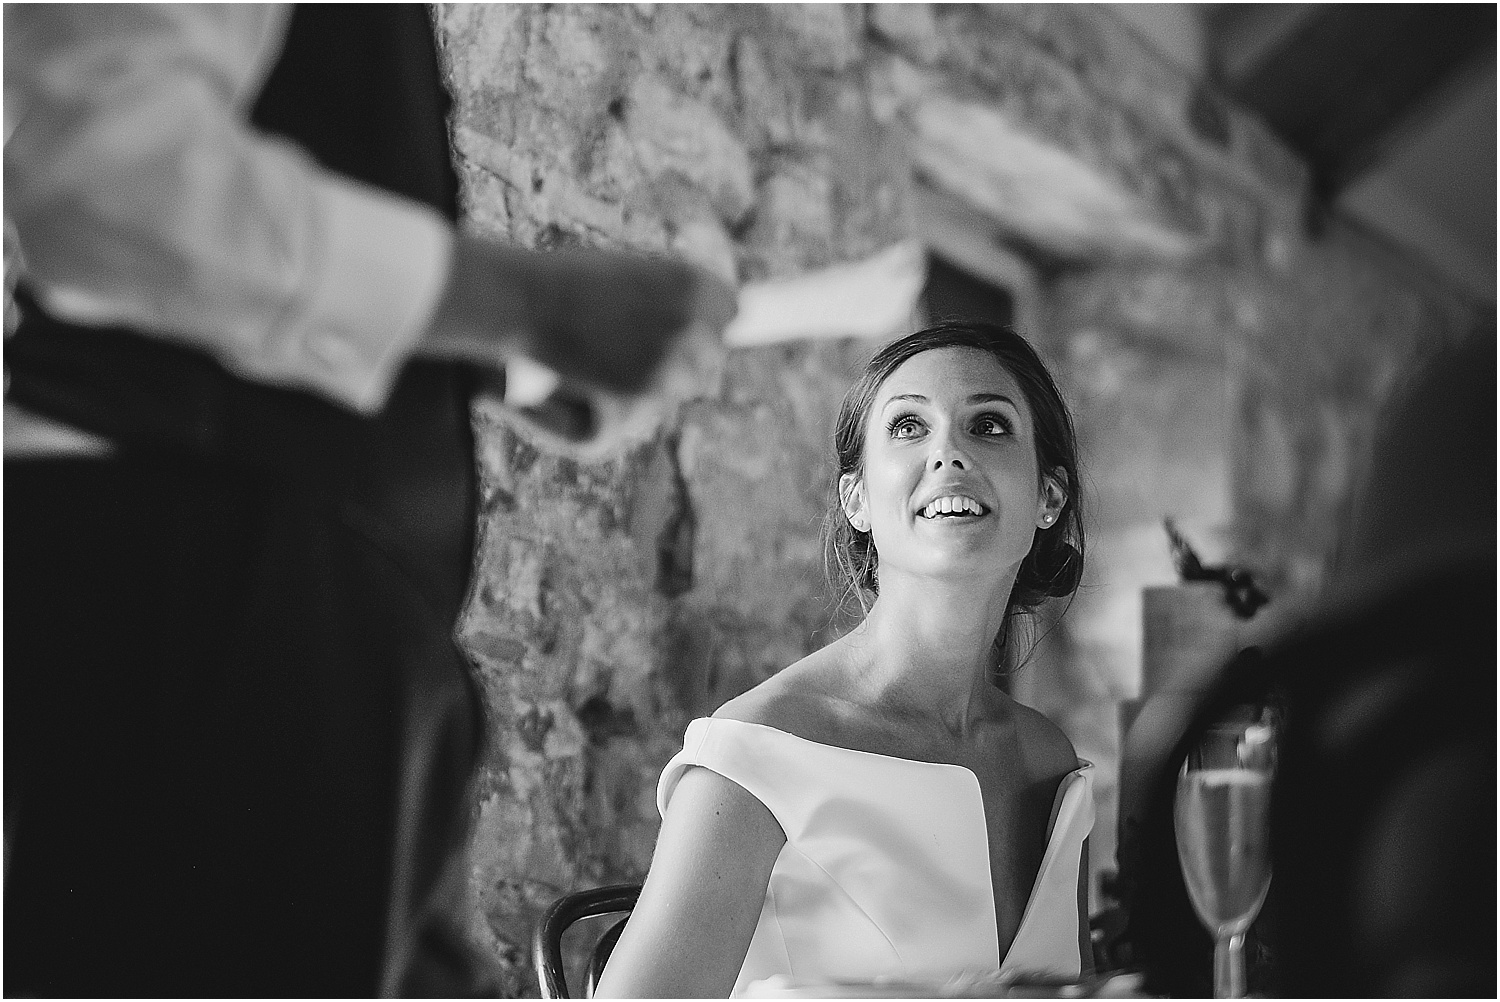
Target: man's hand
point(605, 320)
point(610, 321)
point(630, 337)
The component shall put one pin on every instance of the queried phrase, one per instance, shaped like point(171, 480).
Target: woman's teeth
point(955, 504)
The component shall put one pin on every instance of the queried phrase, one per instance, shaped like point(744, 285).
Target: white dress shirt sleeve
point(140, 195)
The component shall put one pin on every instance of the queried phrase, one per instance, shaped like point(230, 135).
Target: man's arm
point(139, 195)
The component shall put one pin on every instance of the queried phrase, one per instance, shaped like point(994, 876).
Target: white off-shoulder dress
point(886, 869)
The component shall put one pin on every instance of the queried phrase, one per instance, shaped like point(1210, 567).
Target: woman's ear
point(1054, 498)
point(852, 500)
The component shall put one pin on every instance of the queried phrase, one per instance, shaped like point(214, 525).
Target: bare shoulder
point(798, 699)
point(1048, 750)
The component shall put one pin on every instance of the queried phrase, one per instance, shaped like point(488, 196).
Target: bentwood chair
point(546, 942)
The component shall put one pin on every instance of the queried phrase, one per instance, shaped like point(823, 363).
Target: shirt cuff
point(383, 265)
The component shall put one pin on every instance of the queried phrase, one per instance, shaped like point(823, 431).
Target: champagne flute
point(1222, 817)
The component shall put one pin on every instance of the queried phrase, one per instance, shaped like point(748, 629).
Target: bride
point(880, 810)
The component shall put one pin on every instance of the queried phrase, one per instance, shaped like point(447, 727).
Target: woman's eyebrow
point(986, 398)
point(914, 397)
point(974, 398)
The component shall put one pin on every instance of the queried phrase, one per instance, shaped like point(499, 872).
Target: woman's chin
point(959, 562)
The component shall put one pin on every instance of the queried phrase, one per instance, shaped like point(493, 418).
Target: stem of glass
point(1229, 967)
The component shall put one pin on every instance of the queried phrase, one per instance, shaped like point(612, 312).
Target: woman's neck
point(927, 647)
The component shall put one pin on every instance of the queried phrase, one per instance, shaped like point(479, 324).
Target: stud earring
point(859, 524)
point(1047, 518)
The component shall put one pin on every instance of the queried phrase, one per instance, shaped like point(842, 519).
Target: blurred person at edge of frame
point(1383, 834)
point(240, 495)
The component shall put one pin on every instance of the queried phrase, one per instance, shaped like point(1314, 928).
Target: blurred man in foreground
point(239, 494)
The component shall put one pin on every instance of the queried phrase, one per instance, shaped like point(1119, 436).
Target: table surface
point(1119, 985)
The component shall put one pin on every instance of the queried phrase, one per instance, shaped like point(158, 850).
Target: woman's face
point(950, 481)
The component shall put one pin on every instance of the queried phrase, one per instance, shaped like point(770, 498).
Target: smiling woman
point(880, 811)
point(1054, 564)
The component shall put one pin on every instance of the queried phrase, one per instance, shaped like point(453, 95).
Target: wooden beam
point(1346, 78)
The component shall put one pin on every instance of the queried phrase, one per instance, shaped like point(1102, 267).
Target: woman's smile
point(953, 505)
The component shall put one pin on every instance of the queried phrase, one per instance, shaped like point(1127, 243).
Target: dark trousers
point(238, 733)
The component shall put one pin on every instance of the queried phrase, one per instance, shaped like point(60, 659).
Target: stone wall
point(1225, 352)
point(613, 603)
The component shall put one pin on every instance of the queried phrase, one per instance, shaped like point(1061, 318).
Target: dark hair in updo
point(1055, 564)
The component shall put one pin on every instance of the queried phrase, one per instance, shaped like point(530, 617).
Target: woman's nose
point(946, 452)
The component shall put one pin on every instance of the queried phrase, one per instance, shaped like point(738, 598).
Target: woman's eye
point(992, 424)
point(905, 427)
